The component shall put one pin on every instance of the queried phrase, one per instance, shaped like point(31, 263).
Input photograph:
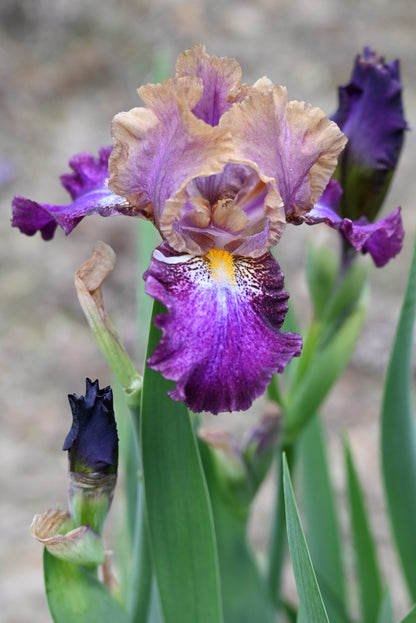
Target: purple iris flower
point(370, 113)
point(220, 168)
point(92, 442)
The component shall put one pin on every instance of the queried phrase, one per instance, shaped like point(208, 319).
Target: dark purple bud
point(371, 115)
point(92, 442)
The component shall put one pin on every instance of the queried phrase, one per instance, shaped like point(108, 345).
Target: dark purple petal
point(88, 172)
point(31, 217)
point(331, 196)
point(382, 239)
point(386, 239)
point(221, 339)
point(371, 114)
point(87, 186)
point(370, 111)
point(92, 442)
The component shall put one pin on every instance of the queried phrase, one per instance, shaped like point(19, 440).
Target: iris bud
point(92, 445)
point(370, 113)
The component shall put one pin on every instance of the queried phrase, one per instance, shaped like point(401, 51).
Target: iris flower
point(220, 168)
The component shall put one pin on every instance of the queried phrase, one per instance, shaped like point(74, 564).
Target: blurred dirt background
point(66, 67)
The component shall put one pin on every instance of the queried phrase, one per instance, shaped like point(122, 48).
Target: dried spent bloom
point(80, 545)
point(220, 168)
point(89, 279)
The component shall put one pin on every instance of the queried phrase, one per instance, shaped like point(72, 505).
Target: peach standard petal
point(220, 78)
point(291, 142)
point(159, 149)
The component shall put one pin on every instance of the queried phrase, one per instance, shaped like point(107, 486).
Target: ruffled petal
point(382, 239)
point(228, 211)
point(220, 77)
point(221, 339)
point(159, 149)
point(87, 186)
point(292, 142)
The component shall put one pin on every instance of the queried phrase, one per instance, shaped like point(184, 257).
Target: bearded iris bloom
point(220, 168)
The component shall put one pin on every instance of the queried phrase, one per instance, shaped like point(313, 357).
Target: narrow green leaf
point(321, 272)
point(244, 589)
point(277, 540)
point(181, 532)
point(301, 616)
point(75, 594)
point(386, 609)
point(346, 296)
point(311, 604)
point(410, 617)
point(368, 572)
point(323, 533)
point(398, 438)
point(326, 365)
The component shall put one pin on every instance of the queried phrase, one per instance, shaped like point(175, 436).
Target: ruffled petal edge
point(221, 340)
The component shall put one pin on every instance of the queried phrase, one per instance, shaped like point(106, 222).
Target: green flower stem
point(277, 542)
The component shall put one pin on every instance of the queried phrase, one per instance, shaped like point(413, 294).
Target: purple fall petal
point(221, 339)
point(382, 239)
point(87, 186)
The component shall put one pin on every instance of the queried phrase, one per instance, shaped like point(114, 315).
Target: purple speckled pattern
point(221, 341)
point(87, 186)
